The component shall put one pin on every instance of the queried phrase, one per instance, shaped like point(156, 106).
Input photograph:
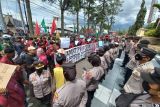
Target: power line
point(49, 9)
point(51, 12)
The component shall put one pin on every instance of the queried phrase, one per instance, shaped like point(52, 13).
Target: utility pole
point(2, 24)
point(25, 13)
point(29, 14)
point(21, 15)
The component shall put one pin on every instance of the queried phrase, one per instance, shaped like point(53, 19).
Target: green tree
point(106, 12)
point(64, 5)
point(157, 6)
point(90, 8)
point(76, 6)
point(139, 20)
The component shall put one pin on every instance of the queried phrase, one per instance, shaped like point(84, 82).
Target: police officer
point(152, 87)
point(133, 85)
point(151, 95)
point(101, 53)
point(73, 92)
point(93, 77)
point(127, 48)
point(133, 63)
point(107, 55)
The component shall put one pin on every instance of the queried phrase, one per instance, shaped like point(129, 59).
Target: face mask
point(138, 57)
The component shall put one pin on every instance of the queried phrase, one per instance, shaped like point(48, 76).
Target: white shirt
point(41, 84)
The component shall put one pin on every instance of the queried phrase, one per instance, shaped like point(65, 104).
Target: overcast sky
point(43, 10)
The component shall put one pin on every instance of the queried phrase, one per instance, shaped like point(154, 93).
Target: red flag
point(53, 27)
point(37, 29)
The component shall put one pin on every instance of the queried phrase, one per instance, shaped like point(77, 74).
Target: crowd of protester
point(42, 67)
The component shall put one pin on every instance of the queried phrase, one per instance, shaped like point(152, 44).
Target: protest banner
point(77, 53)
point(6, 71)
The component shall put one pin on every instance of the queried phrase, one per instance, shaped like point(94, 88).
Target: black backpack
point(125, 99)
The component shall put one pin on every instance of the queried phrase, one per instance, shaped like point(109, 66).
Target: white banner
point(77, 53)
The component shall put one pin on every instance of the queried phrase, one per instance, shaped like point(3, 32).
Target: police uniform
point(103, 63)
point(151, 76)
point(111, 52)
point(142, 101)
point(92, 84)
point(120, 50)
point(126, 57)
point(107, 57)
point(71, 94)
point(134, 84)
point(132, 50)
point(97, 73)
point(114, 53)
point(129, 68)
point(133, 63)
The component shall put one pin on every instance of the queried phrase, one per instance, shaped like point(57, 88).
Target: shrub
point(151, 33)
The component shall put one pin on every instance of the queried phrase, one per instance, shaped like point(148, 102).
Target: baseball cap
point(38, 65)
point(152, 77)
point(148, 52)
point(144, 41)
point(31, 48)
point(69, 70)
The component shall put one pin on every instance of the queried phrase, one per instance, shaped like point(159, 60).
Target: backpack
point(125, 99)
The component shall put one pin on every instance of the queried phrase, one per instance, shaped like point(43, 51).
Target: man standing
point(72, 93)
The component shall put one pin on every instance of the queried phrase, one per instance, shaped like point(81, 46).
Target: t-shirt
point(59, 77)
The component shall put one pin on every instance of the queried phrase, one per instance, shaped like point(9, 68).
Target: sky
point(47, 11)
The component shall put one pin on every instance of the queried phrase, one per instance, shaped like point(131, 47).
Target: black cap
point(60, 56)
point(101, 51)
point(69, 70)
point(9, 50)
point(144, 42)
point(148, 52)
point(142, 46)
point(151, 77)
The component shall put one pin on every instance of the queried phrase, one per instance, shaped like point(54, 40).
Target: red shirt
point(71, 45)
point(16, 95)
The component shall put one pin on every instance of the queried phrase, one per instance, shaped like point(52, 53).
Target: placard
point(81, 36)
point(100, 43)
point(65, 42)
point(6, 71)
